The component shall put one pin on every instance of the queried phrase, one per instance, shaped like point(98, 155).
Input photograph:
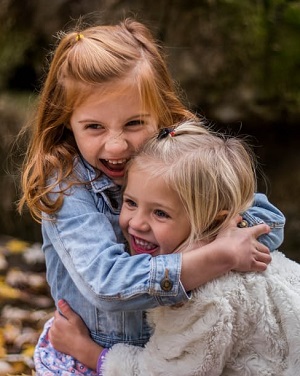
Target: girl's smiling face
point(109, 128)
point(152, 218)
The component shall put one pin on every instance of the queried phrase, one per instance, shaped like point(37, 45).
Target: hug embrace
point(108, 91)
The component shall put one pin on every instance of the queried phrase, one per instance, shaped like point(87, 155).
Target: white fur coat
point(245, 324)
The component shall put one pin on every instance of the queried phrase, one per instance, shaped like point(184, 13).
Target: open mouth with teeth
point(114, 165)
point(140, 246)
point(113, 168)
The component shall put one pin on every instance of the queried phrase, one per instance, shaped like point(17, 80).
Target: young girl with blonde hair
point(106, 92)
point(181, 191)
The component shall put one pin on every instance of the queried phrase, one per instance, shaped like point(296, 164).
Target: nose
point(139, 222)
point(116, 143)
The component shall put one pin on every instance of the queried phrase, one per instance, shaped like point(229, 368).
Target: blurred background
point(237, 63)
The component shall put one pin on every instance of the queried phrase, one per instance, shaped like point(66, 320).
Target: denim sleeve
point(263, 211)
point(84, 241)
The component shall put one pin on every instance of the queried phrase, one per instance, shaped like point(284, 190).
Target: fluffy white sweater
point(245, 324)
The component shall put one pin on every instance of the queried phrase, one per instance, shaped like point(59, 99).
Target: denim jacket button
point(243, 224)
point(166, 284)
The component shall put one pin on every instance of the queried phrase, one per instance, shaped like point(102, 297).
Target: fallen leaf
point(17, 246)
point(7, 292)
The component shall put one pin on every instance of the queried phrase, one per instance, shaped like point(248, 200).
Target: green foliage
point(292, 15)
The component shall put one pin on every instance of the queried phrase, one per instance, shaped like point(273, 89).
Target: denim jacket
point(88, 265)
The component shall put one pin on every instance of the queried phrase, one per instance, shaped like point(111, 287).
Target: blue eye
point(130, 202)
point(161, 214)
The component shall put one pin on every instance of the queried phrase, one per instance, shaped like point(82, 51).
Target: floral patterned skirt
point(49, 362)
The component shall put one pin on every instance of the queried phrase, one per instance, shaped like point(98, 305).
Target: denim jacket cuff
point(165, 279)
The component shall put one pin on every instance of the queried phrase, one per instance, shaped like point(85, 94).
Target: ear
point(68, 126)
point(221, 216)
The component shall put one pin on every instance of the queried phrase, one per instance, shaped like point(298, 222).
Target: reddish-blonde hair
point(84, 60)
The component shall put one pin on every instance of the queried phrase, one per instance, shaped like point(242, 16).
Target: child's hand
point(247, 252)
point(69, 334)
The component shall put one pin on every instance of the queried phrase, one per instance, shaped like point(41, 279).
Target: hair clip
point(164, 132)
point(79, 36)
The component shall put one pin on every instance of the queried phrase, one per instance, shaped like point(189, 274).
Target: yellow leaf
point(2, 351)
point(28, 351)
point(11, 332)
point(17, 246)
point(2, 345)
point(18, 367)
point(7, 292)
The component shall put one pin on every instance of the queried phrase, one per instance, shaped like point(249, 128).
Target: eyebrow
point(130, 118)
point(161, 206)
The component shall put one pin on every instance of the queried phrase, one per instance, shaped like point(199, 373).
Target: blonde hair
point(84, 60)
point(213, 175)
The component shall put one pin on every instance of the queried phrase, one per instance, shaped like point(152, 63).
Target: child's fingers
point(264, 257)
point(256, 230)
point(259, 266)
point(259, 230)
point(73, 319)
point(261, 248)
point(57, 315)
point(65, 309)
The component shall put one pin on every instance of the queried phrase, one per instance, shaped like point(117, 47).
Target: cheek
point(152, 130)
point(87, 145)
point(80, 146)
point(140, 139)
point(123, 220)
point(166, 239)
point(180, 236)
point(80, 141)
point(186, 231)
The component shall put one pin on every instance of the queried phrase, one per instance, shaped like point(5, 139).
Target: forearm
point(203, 265)
point(94, 271)
point(234, 249)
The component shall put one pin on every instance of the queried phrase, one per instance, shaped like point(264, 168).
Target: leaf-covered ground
point(25, 304)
